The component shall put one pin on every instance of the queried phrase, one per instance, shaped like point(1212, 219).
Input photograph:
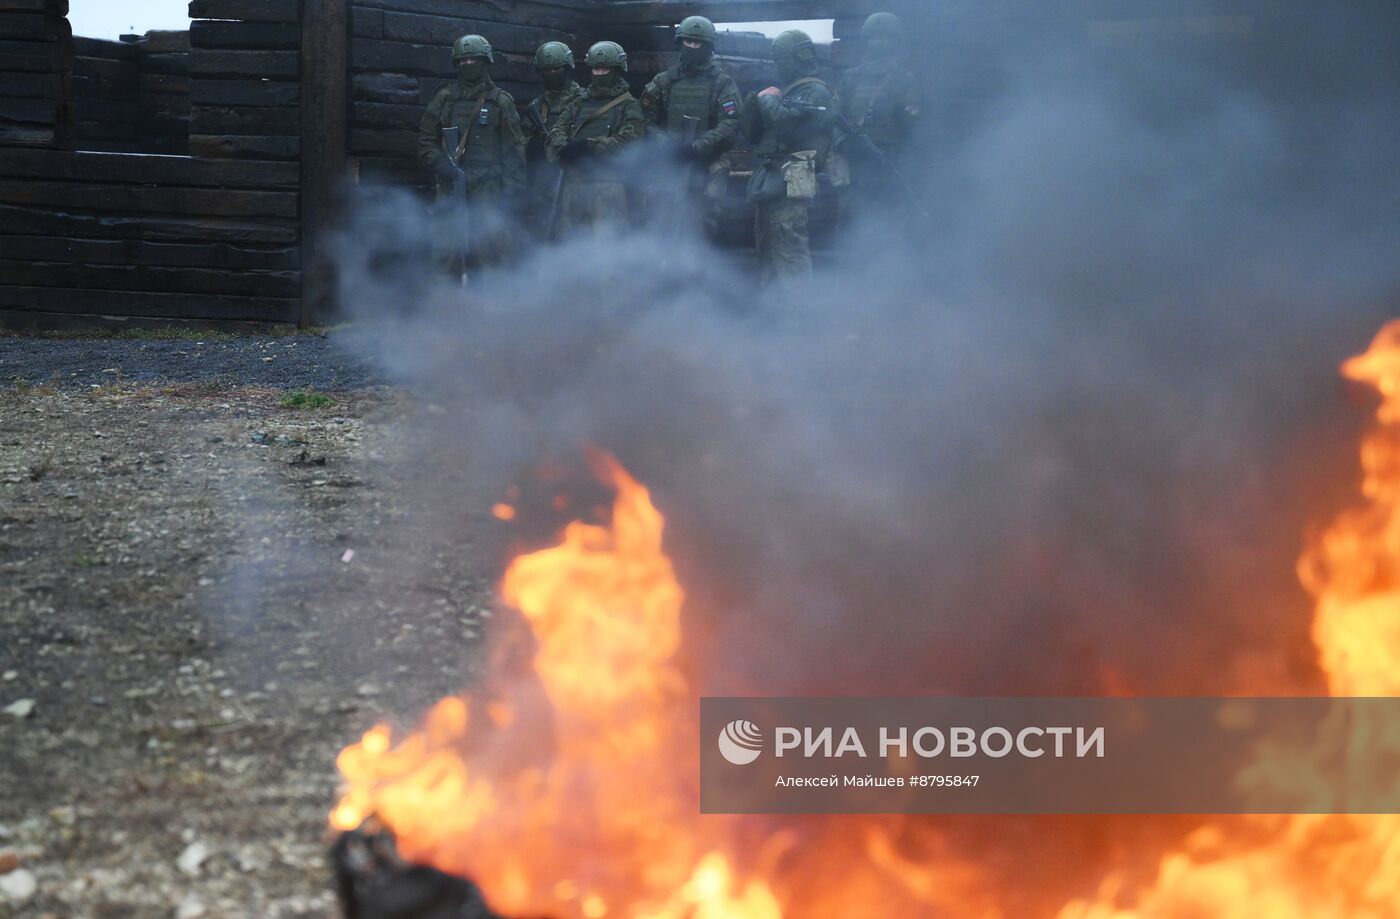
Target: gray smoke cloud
point(1067, 439)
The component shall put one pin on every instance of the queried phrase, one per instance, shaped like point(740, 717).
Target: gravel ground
point(286, 362)
point(203, 597)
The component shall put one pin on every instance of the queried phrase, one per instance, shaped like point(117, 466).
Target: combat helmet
point(794, 43)
point(882, 25)
point(554, 54)
point(696, 28)
point(472, 46)
point(606, 54)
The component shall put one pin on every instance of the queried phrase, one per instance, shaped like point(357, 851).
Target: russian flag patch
point(731, 108)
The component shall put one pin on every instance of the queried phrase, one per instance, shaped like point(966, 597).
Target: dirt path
point(180, 603)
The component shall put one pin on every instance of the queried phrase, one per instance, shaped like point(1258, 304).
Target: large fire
point(571, 792)
point(1314, 867)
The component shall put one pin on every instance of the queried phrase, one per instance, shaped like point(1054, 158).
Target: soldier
point(554, 62)
point(791, 129)
point(695, 104)
point(880, 97)
point(492, 147)
point(490, 152)
point(588, 137)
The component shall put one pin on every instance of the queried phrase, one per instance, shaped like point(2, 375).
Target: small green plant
point(306, 398)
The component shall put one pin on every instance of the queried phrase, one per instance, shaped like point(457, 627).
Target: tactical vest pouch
point(800, 174)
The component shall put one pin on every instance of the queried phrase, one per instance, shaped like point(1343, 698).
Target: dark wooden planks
point(282, 284)
point(244, 64)
point(244, 92)
point(37, 56)
point(154, 304)
point(149, 199)
point(120, 235)
point(246, 35)
point(245, 146)
point(36, 74)
point(55, 222)
point(34, 85)
point(245, 79)
point(106, 95)
point(569, 15)
point(143, 252)
point(143, 170)
point(247, 10)
point(670, 12)
point(324, 138)
point(51, 7)
point(34, 27)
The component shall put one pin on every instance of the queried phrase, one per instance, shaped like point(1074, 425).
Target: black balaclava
point(609, 84)
point(697, 58)
point(554, 79)
point(472, 70)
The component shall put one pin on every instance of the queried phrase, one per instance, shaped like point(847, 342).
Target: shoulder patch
point(730, 107)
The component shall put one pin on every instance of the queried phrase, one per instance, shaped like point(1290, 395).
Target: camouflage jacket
point(706, 93)
point(494, 154)
point(607, 135)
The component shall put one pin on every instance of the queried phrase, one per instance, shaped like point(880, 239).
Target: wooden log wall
point(36, 73)
point(132, 96)
point(106, 95)
point(165, 91)
point(245, 88)
point(148, 236)
point(400, 56)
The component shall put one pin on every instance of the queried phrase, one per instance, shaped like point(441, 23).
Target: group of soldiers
point(559, 162)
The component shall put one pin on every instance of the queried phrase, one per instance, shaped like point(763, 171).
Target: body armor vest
point(692, 94)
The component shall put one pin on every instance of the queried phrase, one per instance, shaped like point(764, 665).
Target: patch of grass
point(174, 333)
point(25, 388)
point(305, 398)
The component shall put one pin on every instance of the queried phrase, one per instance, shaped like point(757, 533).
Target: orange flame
point(1314, 867)
point(574, 796)
point(604, 606)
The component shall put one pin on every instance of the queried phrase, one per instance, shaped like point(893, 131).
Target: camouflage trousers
point(783, 242)
point(482, 242)
point(590, 203)
point(543, 183)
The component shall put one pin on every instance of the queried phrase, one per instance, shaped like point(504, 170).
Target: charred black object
point(373, 882)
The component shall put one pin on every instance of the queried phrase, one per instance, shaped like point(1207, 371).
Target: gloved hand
point(573, 151)
point(444, 169)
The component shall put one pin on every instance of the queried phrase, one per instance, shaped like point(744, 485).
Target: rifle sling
point(616, 101)
point(805, 81)
point(467, 134)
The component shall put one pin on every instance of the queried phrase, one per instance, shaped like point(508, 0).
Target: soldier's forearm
point(721, 138)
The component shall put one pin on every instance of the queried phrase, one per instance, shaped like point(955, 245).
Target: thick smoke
point(1066, 439)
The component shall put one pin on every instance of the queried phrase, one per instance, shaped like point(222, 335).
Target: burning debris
point(520, 791)
point(1312, 866)
point(373, 882)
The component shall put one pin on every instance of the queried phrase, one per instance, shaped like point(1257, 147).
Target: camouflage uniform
point(883, 99)
point(779, 129)
point(595, 187)
point(544, 175)
point(706, 93)
point(490, 153)
point(494, 158)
